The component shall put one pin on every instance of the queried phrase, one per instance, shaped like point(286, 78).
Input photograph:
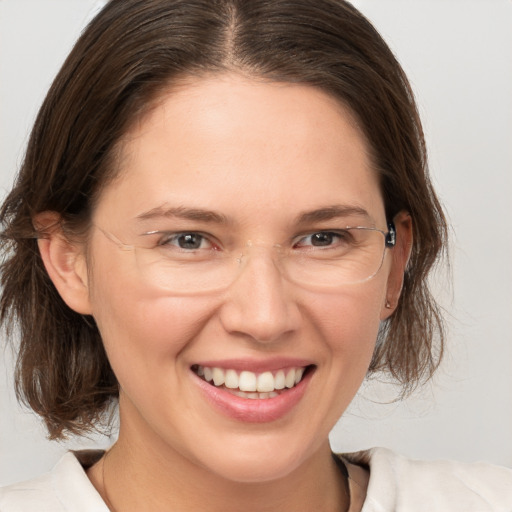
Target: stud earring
point(388, 304)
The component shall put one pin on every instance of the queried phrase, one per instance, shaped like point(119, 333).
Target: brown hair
point(130, 52)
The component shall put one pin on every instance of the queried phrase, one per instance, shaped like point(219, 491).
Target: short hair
point(131, 53)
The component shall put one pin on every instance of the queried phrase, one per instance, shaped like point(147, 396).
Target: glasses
point(186, 263)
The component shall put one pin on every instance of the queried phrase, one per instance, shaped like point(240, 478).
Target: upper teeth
point(248, 381)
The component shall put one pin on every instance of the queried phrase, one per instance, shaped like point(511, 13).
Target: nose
point(260, 303)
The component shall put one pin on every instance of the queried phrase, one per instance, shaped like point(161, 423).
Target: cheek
point(140, 328)
point(345, 328)
point(349, 324)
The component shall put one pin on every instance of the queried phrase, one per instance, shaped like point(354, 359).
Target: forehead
point(243, 146)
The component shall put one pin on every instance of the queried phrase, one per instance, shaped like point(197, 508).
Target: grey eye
point(322, 239)
point(189, 241)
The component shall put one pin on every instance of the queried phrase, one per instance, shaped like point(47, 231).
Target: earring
point(388, 304)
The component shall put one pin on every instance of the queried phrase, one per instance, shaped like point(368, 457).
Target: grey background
point(458, 54)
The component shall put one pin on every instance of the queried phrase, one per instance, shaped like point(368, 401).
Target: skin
point(260, 154)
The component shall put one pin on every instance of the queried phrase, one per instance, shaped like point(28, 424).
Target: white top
point(396, 484)
point(399, 484)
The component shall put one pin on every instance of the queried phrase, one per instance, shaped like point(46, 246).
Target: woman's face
point(248, 164)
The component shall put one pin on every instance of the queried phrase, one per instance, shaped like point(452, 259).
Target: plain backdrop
point(458, 54)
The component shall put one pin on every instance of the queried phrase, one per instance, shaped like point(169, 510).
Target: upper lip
point(256, 365)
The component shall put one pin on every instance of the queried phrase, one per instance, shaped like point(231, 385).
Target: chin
point(257, 461)
point(242, 469)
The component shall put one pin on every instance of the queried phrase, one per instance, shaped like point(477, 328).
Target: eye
point(324, 239)
point(186, 241)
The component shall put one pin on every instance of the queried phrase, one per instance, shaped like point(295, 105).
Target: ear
point(400, 257)
point(64, 261)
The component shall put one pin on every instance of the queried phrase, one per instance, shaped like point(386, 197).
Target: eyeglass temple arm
point(115, 240)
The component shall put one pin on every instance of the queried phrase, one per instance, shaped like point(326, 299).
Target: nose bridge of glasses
point(261, 248)
point(260, 255)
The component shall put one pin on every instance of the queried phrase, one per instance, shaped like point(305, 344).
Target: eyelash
point(168, 239)
point(340, 236)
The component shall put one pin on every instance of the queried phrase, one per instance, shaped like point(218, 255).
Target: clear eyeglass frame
point(218, 271)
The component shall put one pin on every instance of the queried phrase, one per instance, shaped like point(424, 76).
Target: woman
point(224, 221)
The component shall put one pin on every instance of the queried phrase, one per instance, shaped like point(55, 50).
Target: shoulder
point(397, 483)
point(65, 488)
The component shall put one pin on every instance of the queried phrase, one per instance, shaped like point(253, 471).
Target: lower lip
point(249, 410)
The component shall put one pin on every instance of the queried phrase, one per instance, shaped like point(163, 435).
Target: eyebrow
point(211, 216)
point(332, 212)
point(182, 212)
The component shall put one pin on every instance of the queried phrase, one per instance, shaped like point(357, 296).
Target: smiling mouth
point(246, 384)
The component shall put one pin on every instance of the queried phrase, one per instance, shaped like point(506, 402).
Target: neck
point(136, 476)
